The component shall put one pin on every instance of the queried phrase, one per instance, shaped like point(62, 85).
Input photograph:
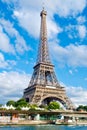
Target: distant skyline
point(67, 40)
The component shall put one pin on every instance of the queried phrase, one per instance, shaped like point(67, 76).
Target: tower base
point(39, 94)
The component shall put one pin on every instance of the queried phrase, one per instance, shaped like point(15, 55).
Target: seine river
point(43, 127)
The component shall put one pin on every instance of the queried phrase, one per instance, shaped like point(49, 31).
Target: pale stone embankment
point(42, 122)
point(27, 122)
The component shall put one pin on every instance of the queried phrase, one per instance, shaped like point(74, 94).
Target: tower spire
point(43, 5)
point(43, 53)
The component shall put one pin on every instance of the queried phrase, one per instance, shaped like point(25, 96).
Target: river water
point(43, 127)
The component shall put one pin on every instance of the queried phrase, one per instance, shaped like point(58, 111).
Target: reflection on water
point(47, 127)
point(38, 127)
point(43, 127)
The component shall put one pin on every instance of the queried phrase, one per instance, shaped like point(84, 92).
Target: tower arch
point(47, 99)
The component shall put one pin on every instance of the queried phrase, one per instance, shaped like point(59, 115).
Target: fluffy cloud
point(27, 14)
point(81, 20)
point(5, 43)
point(76, 31)
point(82, 31)
point(26, 20)
point(3, 63)
point(78, 95)
point(6, 64)
point(63, 8)
point(72, 7)
point(72, 55)
point(12, 85)
point(20, 43)
point(29, 17)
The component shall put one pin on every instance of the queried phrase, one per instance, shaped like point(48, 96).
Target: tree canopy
point(21, 103)
point(11, 102)
point(54, 105)
point(81, 107)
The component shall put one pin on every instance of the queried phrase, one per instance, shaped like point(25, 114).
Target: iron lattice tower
point(43, 86)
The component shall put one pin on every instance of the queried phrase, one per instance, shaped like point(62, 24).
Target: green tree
point(11, 102)
point(33, 106)
point(18, 108)
point(85, 108)
point(54, 105)
point(0, 105)
point(80, 107)
point(21, 103)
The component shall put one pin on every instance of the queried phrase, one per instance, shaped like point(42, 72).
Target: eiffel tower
point(44, 87)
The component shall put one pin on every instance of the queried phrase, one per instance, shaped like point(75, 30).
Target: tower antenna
point(43, 5)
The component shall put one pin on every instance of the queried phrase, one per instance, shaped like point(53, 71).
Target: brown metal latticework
point(43, 86)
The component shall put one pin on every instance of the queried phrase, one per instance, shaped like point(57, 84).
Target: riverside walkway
point(46, 112)
point(30, 117)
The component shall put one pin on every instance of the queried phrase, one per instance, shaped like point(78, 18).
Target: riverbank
point(28, 122)
point(79, 122)
point(43, 122)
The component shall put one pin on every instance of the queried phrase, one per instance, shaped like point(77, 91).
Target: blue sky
point(67, 40)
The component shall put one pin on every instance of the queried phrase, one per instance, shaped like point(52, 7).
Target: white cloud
point(5, 43)
point(78, 95)
point(19, 42)
point(29, 17)
point(12, 85)
point(62, 7)
point(71, 55)
point(3, 63)
point(76, 31)
point(70, 7)
point(81, 20)
point(6, 64)
point(27, 13)
point(53, 29)
point(71, 31)
point(82, 31)
point(30, 20)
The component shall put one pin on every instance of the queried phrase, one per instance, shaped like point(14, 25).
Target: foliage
point(11, 102)
point(54, 105)
point(18, 108)
point(3, 109)
point(21, 103)
point(33, 106)
point(81, 107)
point(18, 104)
point(0, 105)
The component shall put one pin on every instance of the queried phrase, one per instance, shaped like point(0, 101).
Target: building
point(44, 86)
